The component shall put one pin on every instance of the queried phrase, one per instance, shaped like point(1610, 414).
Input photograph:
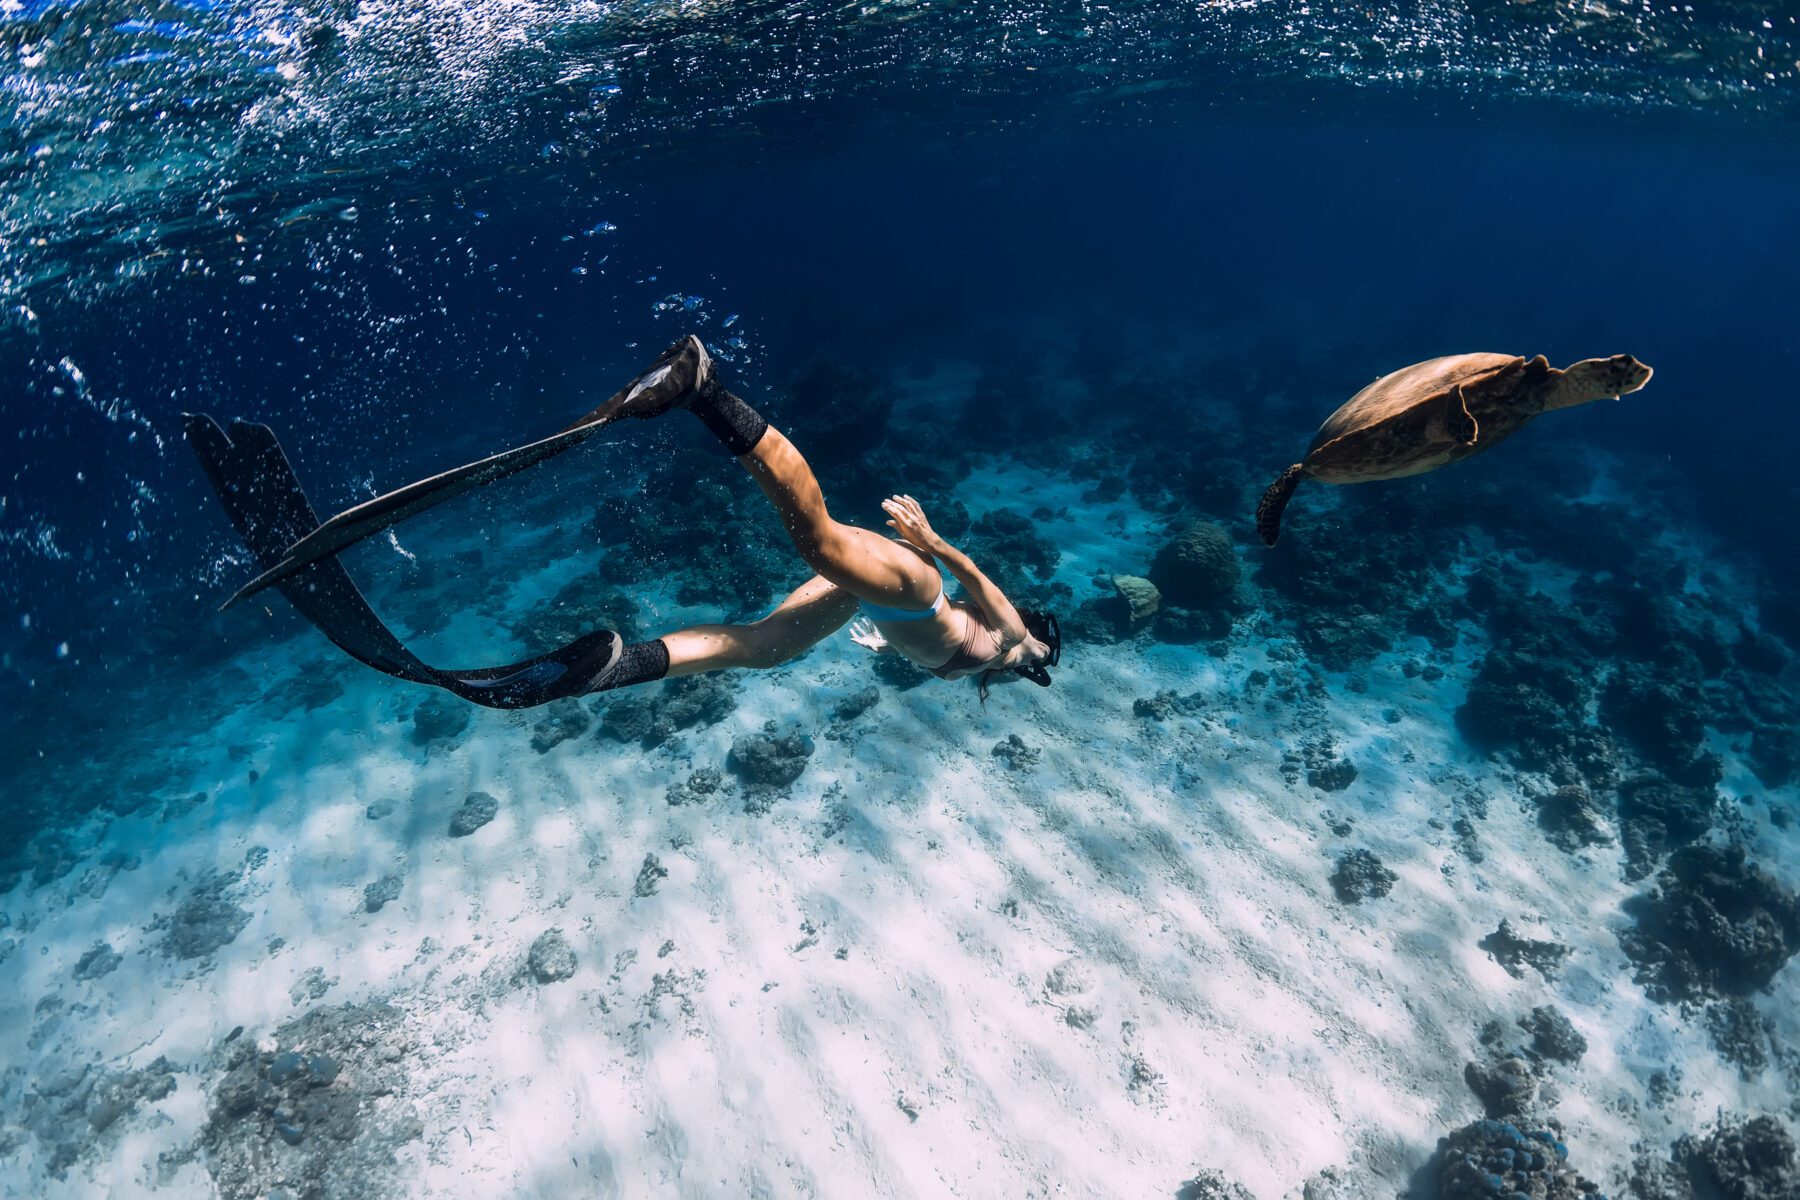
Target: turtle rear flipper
point(1268, 511)
point(1458, 420)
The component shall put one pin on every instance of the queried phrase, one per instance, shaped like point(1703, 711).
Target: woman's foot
point(673, 380)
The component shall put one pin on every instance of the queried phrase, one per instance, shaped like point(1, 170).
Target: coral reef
point(1553, 1036)
point(1569, 817)
point(1505, 1088)
point(856, 704)
point(1657, 815)
point(650, 874)
point(1325, 768)
point(1197, 568)
point(1742, 1160)
point(1737, 1034)
point(1532, 710)
point(1714, 925)
point(97, 962)
point(1015, 553)
point(1662, 712)
point(584, 604)
point(1491, 1159)
point(1359, 876)
point(1141, 597)
point(1166, 704)
point(319, 1115)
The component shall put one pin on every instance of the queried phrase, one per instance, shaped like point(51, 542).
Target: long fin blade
point(372, 516)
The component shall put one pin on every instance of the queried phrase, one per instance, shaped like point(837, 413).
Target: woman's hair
point(1043, 627)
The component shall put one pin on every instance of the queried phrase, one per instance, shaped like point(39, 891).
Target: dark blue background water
point(1320, 244)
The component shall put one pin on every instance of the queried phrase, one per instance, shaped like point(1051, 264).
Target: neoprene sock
point(732, 421)
point(639, 662)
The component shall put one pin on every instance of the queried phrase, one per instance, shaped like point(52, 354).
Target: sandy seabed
point(1093, 964)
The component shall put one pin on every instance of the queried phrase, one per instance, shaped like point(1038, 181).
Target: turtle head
point(1620, 375)
point(1596, 379)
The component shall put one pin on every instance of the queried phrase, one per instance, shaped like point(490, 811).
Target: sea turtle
point(1432, 413)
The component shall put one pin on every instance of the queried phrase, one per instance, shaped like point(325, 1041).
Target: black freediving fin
point(372, 516)
point(262, 496)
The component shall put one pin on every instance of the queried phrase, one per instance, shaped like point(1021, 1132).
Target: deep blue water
point(1318, 247)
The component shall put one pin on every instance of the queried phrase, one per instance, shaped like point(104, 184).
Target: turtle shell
point(1397, 426)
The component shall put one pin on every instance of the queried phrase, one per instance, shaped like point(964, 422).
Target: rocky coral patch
point(1737, 1034)
point(99, 961)
point(551, 958)
point(770, 760)
point(1360, 876)
point(1197, 568)
point(1497, 1160)
point(584, 604)
point(562, 720)
point(319, 1115)
point(440, 718)
point(1657, 815)
point(378, 895)
point(706, 784)
point(1553, 1036)
point(1015, 553)
point(1515, 951)
point(1571, 819)
point(1167, 704)
point(205, 921)
point(1212, 1185)
point(475, 811)
point(1742, 1160)
point(649, 877)
point(1714, 925)
point(1532, 710)
point(652, 716)
point(72, 1106)
point(1013, 751)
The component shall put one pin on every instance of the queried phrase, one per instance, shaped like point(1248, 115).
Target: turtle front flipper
point(1268, 511)
point(1458, 420)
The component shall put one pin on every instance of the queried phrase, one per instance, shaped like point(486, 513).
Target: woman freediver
point(894, 582)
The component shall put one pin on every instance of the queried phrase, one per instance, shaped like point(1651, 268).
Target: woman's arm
point(907, 519)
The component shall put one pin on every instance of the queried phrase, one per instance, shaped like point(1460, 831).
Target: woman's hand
point(864, 634)
point(907, 519)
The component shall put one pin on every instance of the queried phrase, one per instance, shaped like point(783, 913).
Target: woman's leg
point(862, 562)
point(866, 564)
point(812, 612)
